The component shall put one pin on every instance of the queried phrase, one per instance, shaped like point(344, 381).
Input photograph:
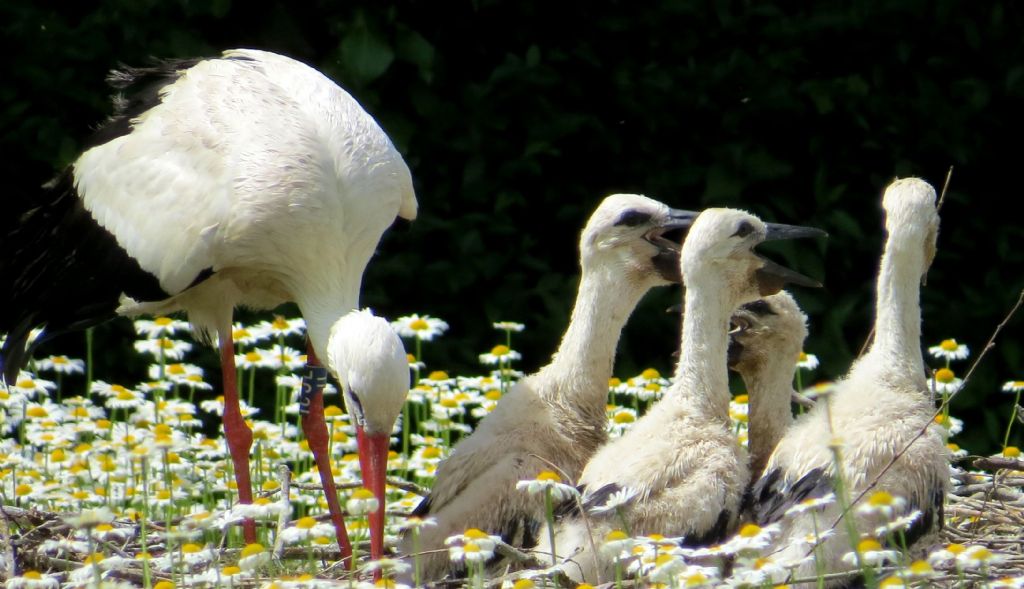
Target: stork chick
point(873, 416)
point(764, 348)
point(554, 419)
point(681, 460)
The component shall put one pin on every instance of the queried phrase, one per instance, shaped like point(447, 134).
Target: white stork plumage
point(875, 412)
point(681, 460)
point(555, 419)
point(370, 362)
point(764, 347)
point(245, 179)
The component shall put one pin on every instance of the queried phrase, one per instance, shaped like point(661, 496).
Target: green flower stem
point(1013, 417)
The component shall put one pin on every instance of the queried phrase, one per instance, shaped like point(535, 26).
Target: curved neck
point(770, 391)
point(702, 379)
point(584, 359)
point(897, 343)
point(322, 309)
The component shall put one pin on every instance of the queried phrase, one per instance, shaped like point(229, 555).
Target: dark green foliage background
point(518, 117)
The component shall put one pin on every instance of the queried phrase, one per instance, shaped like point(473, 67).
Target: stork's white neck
point(897, 343)
point(770, 391)
point(702, 379)
point(583, 362)
point(322, 308)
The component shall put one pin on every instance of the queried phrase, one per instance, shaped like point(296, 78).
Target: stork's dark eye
point(760, 307)
point(633, 218)
point(744, 229)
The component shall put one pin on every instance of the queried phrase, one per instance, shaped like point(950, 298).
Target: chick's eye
point(633, 218)
point(743, 229)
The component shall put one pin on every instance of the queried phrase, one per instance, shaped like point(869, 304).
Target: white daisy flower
point(616, 500)
point(508, 326)
point(160, 327)
point(62, 365)
point(807, 361)
point(171, 349)
point(549, 480)
point(949, 349)
point(422, 327)
point(500, 354)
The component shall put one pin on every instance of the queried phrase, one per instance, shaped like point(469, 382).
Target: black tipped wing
point(771, 495)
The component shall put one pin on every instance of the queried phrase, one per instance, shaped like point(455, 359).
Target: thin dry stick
point(938, 207)
point(284, 475)
point(967, 377)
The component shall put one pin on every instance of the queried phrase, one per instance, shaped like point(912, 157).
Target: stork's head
point(371, 366)
point(368, 359)
point(766, 330)
point(719, 251)
point(910, 213)
point(637, 237)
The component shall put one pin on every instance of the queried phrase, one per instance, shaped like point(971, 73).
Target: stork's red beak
point(373, 460)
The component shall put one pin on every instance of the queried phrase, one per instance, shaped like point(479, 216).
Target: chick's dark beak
point(668, 237)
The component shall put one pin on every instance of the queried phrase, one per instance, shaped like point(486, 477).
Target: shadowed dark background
point(516, 118)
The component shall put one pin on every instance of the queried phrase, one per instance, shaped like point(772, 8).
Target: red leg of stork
point(237, 432)
point(311, 406)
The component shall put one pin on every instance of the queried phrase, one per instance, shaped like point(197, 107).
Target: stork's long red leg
point(237, 432)
point(315, 429)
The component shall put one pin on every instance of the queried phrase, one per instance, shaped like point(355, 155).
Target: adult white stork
point(245, 179)
point(876, 414)
point(554, 418)
point(681, 461)
point(764, 347)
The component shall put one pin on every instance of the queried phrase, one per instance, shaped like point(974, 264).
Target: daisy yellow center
point(615, 536)
point(410, 358)
point(162, 321)
point(232, 570)
point(175, 369)
point(125, 396)
point(652, 386)
point(332, 411)
point(162, 429)
point(949, 345)
point(953, 447)
point(492, 395)
point(1011, 452)
point(750, 530)
point(500, 350)
point(431, 452)
point(438, 375)
point(166, 343)
point(251, 549)
point(26, 383)
point(418, 325)
point(60, 360)
point(696, 579)
point(944, 375)
point(475, 534)
point(868, 545)
point(880, 498)
point(891, 582)
point(362, 493)
point(32, 575)
point(650, 374)
point(624, 417)
point(742, 399)
point(36, 411)
point(280, 323)
point(614, 382)
point(802, 357)
point(523, 584)
point(252, 356)
point(920, 567)
point(955, 548)
point(664, 559)
point(449, 402)
point(548, 475)
point(164, 585)
point(981, 553)
point(470, 547)
point(305, 523)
